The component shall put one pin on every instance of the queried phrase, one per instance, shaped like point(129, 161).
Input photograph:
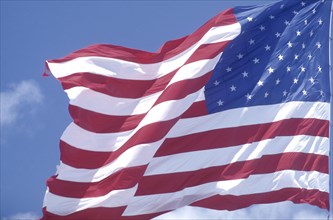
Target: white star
point(270, 70)
point(249, 18)
point(310, 56)
point(303, 45)
point(319, 69)
point(311, 33)
point(304, 92)
point(318, 44)
point(295, 81)
point(296, 56)
point(282, 6)
point(233, 88)
point(285, 93)
point(240, 56)
point(314, 11)
point(267, 47)
point(220, 103)
point(322, 93)
point(278, 34)
point(305, 22)
point(303, 69)
point(251, 41)
point(228, 69)
point(280, 57)
point(271, 17)
point(288, 68)
point(312, 80)
point(286, 22)
point(303, 4)
point(260, 83)
point(248, 96)
point(256, 60)
point(295, 12)
point(266, 94)
point(277, 82)
point(290, 45)
point(262, 28)
point(298, 33)
point(245, 74)
point(320, 21)
point(216, 83)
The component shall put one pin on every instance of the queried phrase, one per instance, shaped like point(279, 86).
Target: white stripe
point(47, 191)
point(253, 184)
point(184, 162)
point(64, 206)
point(105, 104)
point(87, 140)
point(128, 70)
point(251, 115)
point(195, 69)
point(142, 154)
point(135, 156)
point(201, 96)
point(161, 112)
point(98, 102)
point(83, 139)
point(168, 110)
point(162, 202)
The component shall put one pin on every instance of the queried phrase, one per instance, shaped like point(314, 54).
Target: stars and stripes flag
point(235, 114)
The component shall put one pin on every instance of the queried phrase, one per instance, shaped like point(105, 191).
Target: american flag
point(235, 114)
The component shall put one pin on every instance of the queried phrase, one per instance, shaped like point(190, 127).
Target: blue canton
point(280, 56)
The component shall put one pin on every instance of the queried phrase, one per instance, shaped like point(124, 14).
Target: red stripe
point(181, 89)
point(171, 45)
point(90, 160)
point(151, 132)
point(155, 184)
point(220, 138)
point(79, 158)
point(217, 202)
point(109, 123)
point(207, 51)
point(227, 137)
point(197, 109)
point(170, 49)
point(123, 88)
point(128, 177)
point(148, 134)
point(123, 179)
point(102, 123)
point(99, 213)
point(231, 202)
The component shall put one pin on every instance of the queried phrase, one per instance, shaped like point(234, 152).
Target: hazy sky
point(34, 108)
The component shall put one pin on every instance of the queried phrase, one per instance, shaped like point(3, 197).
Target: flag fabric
point(233, 115)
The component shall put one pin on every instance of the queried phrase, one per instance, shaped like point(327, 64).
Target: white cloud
point(19, 99)
point(282, 210)
point(22, 216)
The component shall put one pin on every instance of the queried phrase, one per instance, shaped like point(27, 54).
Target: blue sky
point(34, 108)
